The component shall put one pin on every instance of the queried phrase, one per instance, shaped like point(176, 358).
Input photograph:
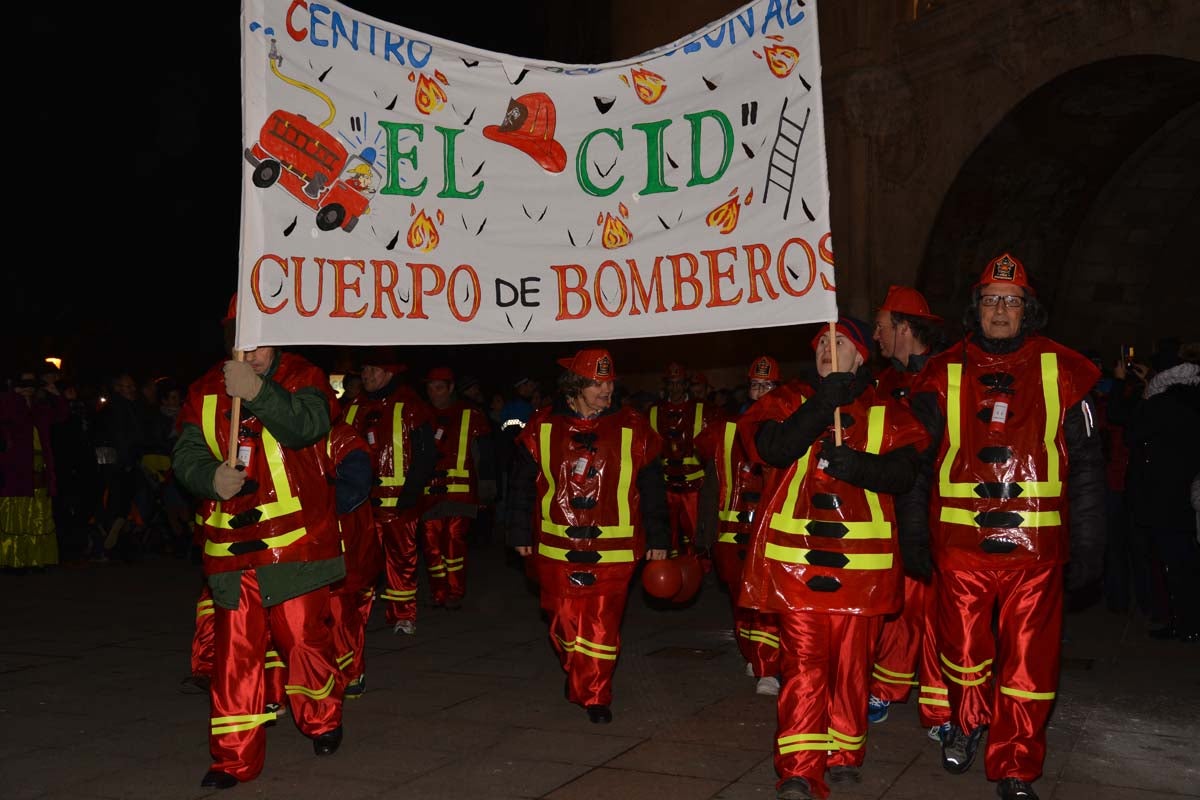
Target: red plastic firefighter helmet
point(383, 357)
point(1005, 268)
point(907, 300)
point(675, 372)
point(662, 579)
point(595, 365)
point(440, 374)
point(764, 368)
point(231, 312)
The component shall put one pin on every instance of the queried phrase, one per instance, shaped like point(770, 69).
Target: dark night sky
point(134, 126)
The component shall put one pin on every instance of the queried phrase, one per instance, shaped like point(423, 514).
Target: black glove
point(836, 389)
point(891, 473)
point(917, 560)
point(842, 462)
point(1083, 570)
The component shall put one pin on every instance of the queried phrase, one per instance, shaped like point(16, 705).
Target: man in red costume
point(589, 475)
point(1016, 459)
point(271, 547)
point(463, 479)
point(397, 425)
point(679, 419)
point(732, 489)
point(824, 555)
point(907, 335)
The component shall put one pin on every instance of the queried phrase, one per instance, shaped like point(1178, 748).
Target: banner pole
point(837, 417)
point(235, 414)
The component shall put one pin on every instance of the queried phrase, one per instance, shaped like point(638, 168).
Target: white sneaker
point(768, 685)
point(749, 670)
point(938, 732)
point(405, 626)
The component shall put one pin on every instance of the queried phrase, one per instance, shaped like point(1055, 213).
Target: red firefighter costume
point(824, 557)
point(907, 643)
point(452, 498)
point(679, 424)
point(998, 518)
point(388, 424)
point(739, 488)
point(353, 597)
point(589, 534)
point(285, 516)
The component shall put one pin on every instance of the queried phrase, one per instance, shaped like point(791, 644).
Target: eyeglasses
point(1010, 300)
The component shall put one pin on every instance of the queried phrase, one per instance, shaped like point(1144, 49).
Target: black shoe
point(958, 749)
point(215, 779)
point(327, 743)
point(844, 774)
point(1015, 789)
point(601, 715)
point(195, 684)
point(794, 789)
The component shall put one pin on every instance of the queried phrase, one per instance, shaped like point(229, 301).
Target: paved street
point(472, 706)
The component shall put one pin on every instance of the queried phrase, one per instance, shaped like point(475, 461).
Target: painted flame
point(725, 216)
point(422, 234)
point(616, 233)
point(648, 85)
point(781, 59)
point(429, 97)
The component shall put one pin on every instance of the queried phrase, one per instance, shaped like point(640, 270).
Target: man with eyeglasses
point(907, 334)
point(733, 484)
point(587, 504)
point(1015, 460)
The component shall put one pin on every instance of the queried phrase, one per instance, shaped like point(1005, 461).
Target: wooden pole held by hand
point(235, 415)
point(837, 417)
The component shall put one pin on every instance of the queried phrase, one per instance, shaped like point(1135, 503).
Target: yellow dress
point(27, 533)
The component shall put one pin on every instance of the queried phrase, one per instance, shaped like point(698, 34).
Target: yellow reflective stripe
point(762, 637)
point(654, 418)
point(345, 660)
point(625, 479)
point(315, 694)
point(285, 502)
point(452, 488)
point(929, 701)
point(728, 538)
point(891, 680)
point(606, 531)
point(854, 530)
point(212, 548)
point(693, 476)
point(797, 555)
point(464, 427)
point(544, 432)
point(727, 465)
point(697, 424)
point(351, 413)
point(593, 649)
point(804, 741)
point(881, 669)
point(1029, 519)
point(965, 670)
point(606, 556)
point(243, 722)
point(208, 422)
point(398, 596)
point(847, 742)
point(1052, 486)
point(874, 443)
point(276, 663)
point(1027, 695)
point(397, 476)
point(934, 690)
point(204, 608)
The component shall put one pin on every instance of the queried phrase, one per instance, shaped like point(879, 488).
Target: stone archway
point(1089, 180)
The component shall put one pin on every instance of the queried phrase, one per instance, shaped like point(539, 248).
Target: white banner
point(404, 189)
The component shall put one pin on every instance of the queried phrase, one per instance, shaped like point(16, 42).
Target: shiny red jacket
point(455, 477)
point(739, 489)
point(387, 424)
point(679, 424)
point(288, 515)
point(587, 524)
point(819, 543)
point(999, 497)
